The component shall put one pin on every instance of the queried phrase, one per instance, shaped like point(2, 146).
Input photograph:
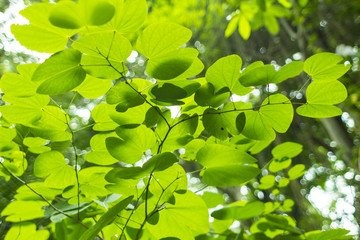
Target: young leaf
point(267, 182)
point(296, 171)
point(287, 149)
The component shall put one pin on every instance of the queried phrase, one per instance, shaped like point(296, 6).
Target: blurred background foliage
point(274, 32)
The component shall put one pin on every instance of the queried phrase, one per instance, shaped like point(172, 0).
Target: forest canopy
point(193, 119)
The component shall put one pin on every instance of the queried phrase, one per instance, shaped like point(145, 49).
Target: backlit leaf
point(161, 38)
point(131, 145)
point(60, 73)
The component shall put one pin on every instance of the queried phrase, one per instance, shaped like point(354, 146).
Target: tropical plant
point(151, 134)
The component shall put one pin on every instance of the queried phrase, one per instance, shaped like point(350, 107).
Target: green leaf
point(20, 85)
point(161, 38)
point(224, 73)
point(278, 164)
point(230, 171)
point(331, 234)
point(34, 141)
point(90, 189)
point(24, 110)
point(210, 155)
point(244, 27)
point(213, 199)
point(296, 171)
point(258, 76)
point(206, 96)
point(132, 144)
point(318, 111)
point(106, 219)
point(41, 35)
point(187, 218)
point(274, 114)
point(99, 67)
point(99, 154)
point(125, 96)
point(110, 45)
point(134, 115)
point(98, 12)
point(249, 210)
point(271, 23)
point(283, 182)
point(66, 14)
point(214, 124)
point(171, 64)
point(157, 163)
point(287, 149)
point(60, 73)
point(20, 211)
point(7, 133)
point(26, 230)
point(129, 16)
point(326, 92)
point(320, 96)
point(267, 182)
point(290, 70)
point(232, 175)
point(93, 87)
point(53, 166)
point(231, 27)
point(166, 93)
point(192, 148)
point(324, 66)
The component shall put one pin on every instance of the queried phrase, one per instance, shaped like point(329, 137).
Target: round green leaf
point(296, 171)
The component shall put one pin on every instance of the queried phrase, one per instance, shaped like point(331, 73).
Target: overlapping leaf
point(60, 73)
